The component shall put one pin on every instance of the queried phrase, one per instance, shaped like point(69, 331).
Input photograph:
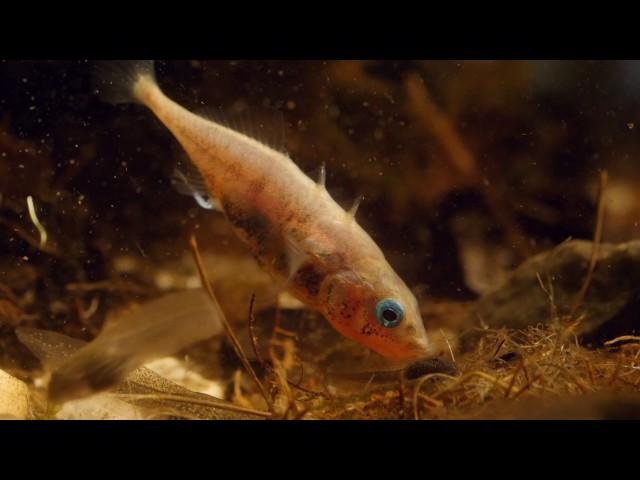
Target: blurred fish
point(296, 231)
point(142, 387)
point(159, 328)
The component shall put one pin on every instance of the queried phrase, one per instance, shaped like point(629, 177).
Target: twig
point(623, 338)
point(527, 386)
point(430, 401)
point(513, 378)
point(22, 233)
point(524, 370)
point(448, 345)
point(368, 384)
point(227, 328)
point(500, 343)
point(36, 222)
point(584, 388)
point(252, 331)
point(571, 328)
point(597, 238)
point(590, 373)
point(616, 372)
point(466, 377)
point(417, 392)
point(307, 390)
point(553, 309)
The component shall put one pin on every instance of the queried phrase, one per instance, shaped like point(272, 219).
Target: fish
point(141, 387)
point(158, 328)
point(293, 227)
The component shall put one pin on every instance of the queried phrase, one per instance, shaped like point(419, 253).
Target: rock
point(611, 304)
point(178, 371)
point(14, 398)
point(102, 406)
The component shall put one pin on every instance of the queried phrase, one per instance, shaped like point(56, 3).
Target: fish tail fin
point(123, 81)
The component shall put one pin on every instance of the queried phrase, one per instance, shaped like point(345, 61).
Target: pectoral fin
point(188, 181)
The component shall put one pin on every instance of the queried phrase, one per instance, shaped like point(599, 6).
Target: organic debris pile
point(517, 374)
point(538, 372)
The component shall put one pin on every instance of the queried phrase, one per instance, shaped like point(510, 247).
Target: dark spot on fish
point(328, 297)
point(309, 278)
point(290, 216)
point(347, 311)
point(281, 263)
point(257, 186)
point(306, 219)
point(254, 224)
point(367, 329)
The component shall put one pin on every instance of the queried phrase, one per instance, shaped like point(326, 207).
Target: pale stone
point(14, 398)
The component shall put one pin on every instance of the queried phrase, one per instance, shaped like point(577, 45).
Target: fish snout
point(420, 348)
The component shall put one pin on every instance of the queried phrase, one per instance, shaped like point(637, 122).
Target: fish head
point(375, 308)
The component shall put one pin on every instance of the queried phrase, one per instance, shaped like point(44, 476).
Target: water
point(467, 168)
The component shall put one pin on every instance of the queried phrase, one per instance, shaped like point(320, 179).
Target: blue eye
point(389, 313)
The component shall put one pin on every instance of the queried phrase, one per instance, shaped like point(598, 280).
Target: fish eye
point(389, 313)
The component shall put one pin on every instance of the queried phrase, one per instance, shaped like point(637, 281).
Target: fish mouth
point(406, 352)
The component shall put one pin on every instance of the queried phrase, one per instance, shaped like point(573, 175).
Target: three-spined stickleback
point(293, 227)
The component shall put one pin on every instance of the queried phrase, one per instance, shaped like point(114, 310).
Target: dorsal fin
point(356, 204)
point(322, 176)
point(267, 128)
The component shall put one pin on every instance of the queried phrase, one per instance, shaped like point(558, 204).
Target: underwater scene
point(319, 240)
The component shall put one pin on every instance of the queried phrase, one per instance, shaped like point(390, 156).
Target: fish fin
point(322, 176)
point(186, 179)
point(116, 81)
point(50, 348)
point(356, 204)
point(267, 128)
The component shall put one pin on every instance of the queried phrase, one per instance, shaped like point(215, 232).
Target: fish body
point(293, 227)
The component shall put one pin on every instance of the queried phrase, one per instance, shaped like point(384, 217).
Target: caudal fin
point(118, 81)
